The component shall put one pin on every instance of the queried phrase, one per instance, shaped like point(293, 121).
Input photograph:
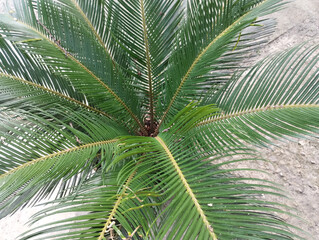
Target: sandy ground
point(295, 165)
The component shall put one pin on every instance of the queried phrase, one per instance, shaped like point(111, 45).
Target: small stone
point(209, 204)
point(302, 143)
point(312, 162)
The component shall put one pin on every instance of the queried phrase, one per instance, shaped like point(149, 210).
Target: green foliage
point(134, 111)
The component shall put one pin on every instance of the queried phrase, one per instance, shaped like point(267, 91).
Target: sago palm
point(134, 113)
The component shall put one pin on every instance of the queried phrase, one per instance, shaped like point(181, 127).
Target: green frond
point(69, 27)
point(61, 118)
point(201, 197)
point(23, 67)
point(20, 184)
point(31, 130)
point(107, 206)
point(31, 138)
point(204, 55)
point(276, 98)
point(148, 43)
point(69, 72)
point(94, 198)
point(8, 83)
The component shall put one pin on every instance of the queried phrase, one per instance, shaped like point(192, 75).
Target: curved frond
point(7, 83)
point(148, 43)
point(41, 116)
point(278, 97)
point(70, 72)
point(36, 173)
point(219, 205)
point(94, 198)
point(110, 210)
point(34, 136)
point(208, 228)
point(38, 124)
point(206, 50)
point(68, 26)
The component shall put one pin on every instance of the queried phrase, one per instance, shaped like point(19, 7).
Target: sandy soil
point(295, 165)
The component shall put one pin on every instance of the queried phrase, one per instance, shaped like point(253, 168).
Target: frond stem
point(77, 148)
point(149, 70)
point(56, 93)
point(111, 92)
point(98, 37)
point(116, 205)
point(251, 111)
point(188, 188)
point(118, 99)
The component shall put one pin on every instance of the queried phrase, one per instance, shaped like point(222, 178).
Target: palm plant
point(135, 113)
